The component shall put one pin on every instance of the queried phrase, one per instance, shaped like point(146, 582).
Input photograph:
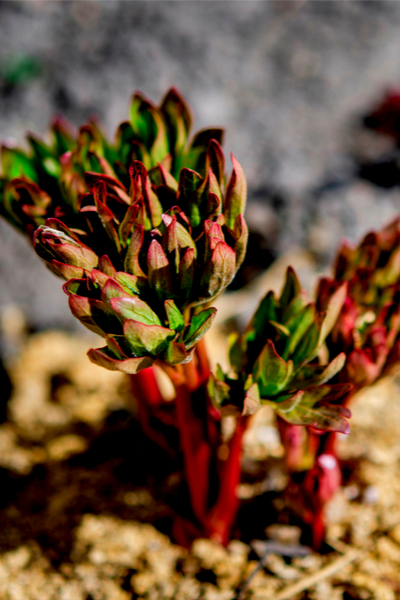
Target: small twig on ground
point(270, 547)
point(305, 583)
point(295, 588)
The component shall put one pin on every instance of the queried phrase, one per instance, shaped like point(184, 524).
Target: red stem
point(223, 513)
point(149, 402)
point(145, 388)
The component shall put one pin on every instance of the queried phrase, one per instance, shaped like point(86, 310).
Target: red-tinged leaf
point(66, 271)
point(178, 117)
point(198, 202)
point(129, 220)
point(132, 283)
point(112, 290)
point(271, 372)
point(251, 400)
point(170, 242)
point(360, 369)
point(203, 137)
point(186, 275)
point(212, 229)
point(236, 194)
point(334, 306)
point(131, 264)
point(213, 234)
point(33, 211)
point(189, 181)
point(103, 358)
point(136, 309)
point(50, 243)
point(58, 225)
point(241, 235)
point(141, 183)
point(106, 266)
point(214, 206)
point(94, 179)
point(99, 278)
point(81, 309)
point(311, 375)
point(314, 409)
point(160, 176)
point(114, 347)
point(159, 276)
point(176, 354)
point(105, 214)
point(176, 235)
point(345, 258)
point(215, 160)
point(219, 271)
point(146, 339)
point(218, 391)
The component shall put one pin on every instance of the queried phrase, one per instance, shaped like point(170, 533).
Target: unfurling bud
point(65, 254)
point(274, 363)
point(145, 230)
point(367, 328)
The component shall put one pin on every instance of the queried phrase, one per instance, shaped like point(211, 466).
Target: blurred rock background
point(290, 81)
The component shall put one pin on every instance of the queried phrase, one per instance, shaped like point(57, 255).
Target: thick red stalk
point(149, 404)
point(222, 515)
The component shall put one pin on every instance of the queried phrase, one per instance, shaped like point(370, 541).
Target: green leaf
point(189, 181)
point(176, 353)
point(103, 357)
point(141, 119)
point(178, 118)
point(309, 344)
point(146, 339)
point(266, 311)
point(112, 290)
point(16, 163)
point(311, 375)
point(198, 326)
point(291, 288)
point(136, 309)
point(218, 391)
point(174, 316)
point(131, 283)
point(314, 409)
point(297, 326)
point(271, 372)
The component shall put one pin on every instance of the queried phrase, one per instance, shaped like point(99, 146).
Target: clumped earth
point(80, 518)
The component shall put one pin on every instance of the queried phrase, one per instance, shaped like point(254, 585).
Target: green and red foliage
point(367, 330)
point(148, 231)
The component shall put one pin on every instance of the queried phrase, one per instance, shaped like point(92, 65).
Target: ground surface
point(78, 520)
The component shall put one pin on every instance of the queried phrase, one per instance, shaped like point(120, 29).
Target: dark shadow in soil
point(49, 503)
